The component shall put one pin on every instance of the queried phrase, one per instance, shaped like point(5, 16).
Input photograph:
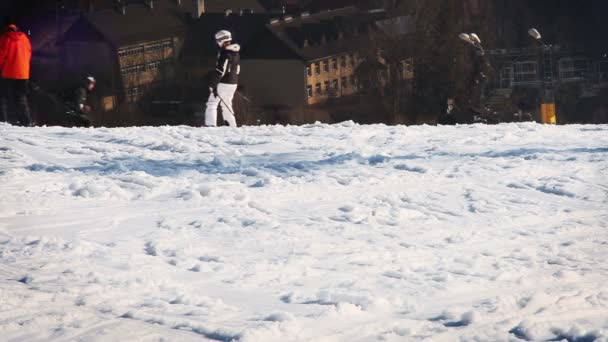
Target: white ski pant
point(226, 94)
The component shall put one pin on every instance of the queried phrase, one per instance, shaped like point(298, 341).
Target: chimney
point(198, 8)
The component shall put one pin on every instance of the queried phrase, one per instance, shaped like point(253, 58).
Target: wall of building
point(274, 82)
point(322, 76)
point(96, 58)
point(144, 64)
point(79, 58)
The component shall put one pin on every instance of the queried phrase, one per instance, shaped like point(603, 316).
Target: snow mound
point(304, 233)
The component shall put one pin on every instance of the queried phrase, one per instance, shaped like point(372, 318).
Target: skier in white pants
point(224, 80)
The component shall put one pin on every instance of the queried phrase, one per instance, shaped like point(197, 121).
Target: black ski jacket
point(76, 98)
point(228, 66)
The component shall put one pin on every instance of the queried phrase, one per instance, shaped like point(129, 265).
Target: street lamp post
point(480, 78)
point(472, 39)
point(547, 107)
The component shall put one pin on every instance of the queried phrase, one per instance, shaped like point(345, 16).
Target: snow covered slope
point(312, 233)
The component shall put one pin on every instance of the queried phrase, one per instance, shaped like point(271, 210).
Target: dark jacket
point(15, 55)
point(228, 66)
point(76, 98)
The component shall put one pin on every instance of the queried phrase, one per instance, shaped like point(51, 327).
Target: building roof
point(397, 26)
point(307, 37)
point(328, 33)
point(211, 6)
point(140, 23)
point(220, 6)
point(200, 39)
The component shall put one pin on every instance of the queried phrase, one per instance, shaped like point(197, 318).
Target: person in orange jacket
point(15, 58)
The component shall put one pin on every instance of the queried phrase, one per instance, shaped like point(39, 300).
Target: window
point(335, 84)
point(130, 51)
point(408, 66)
point(334, 63)
point(134, 69)
point(309, 91)
point(507, 76)
point(309, 70)
point(344, 83)
point(526, 71)
point(573, 68)
point(326, 84)
point(153, 66)
point(159, 45)
point(343, 61)
point(317, 68)
point(134, 93)
point(318, 90)
point(326, 66)
point(108, 103)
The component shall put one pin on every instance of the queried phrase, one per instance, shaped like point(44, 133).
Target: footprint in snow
point(447, 320)
point(248, 223)
point(206, 258)
point(150, 249)
point(415, 169)
point(196, 224)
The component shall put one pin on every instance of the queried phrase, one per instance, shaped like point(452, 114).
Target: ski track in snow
point(304, 233)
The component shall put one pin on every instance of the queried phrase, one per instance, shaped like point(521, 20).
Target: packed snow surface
point(311, 233)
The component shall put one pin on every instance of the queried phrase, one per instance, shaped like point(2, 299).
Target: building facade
point(332, 76)
point(309, 59)
point(133, 47)
point(144, 64)
point(128, 49)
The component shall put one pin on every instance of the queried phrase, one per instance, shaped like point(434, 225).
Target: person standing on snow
point(15, 58)
point(224, 80)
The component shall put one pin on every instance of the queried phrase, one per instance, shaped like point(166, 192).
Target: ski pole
point(244, 97)
point(225, 105)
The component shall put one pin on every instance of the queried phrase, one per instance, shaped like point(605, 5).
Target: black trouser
point(80, 120)
point(75, 117)
point(16, 91)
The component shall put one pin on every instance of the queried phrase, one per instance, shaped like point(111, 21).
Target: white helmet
point(223, 36)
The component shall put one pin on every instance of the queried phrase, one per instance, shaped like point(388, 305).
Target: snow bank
point(304, 233)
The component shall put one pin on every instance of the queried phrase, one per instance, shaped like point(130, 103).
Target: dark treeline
point(442, 63)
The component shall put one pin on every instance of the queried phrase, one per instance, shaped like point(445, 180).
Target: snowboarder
point(76, 101)
point(224, 80)
point(15, 58)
